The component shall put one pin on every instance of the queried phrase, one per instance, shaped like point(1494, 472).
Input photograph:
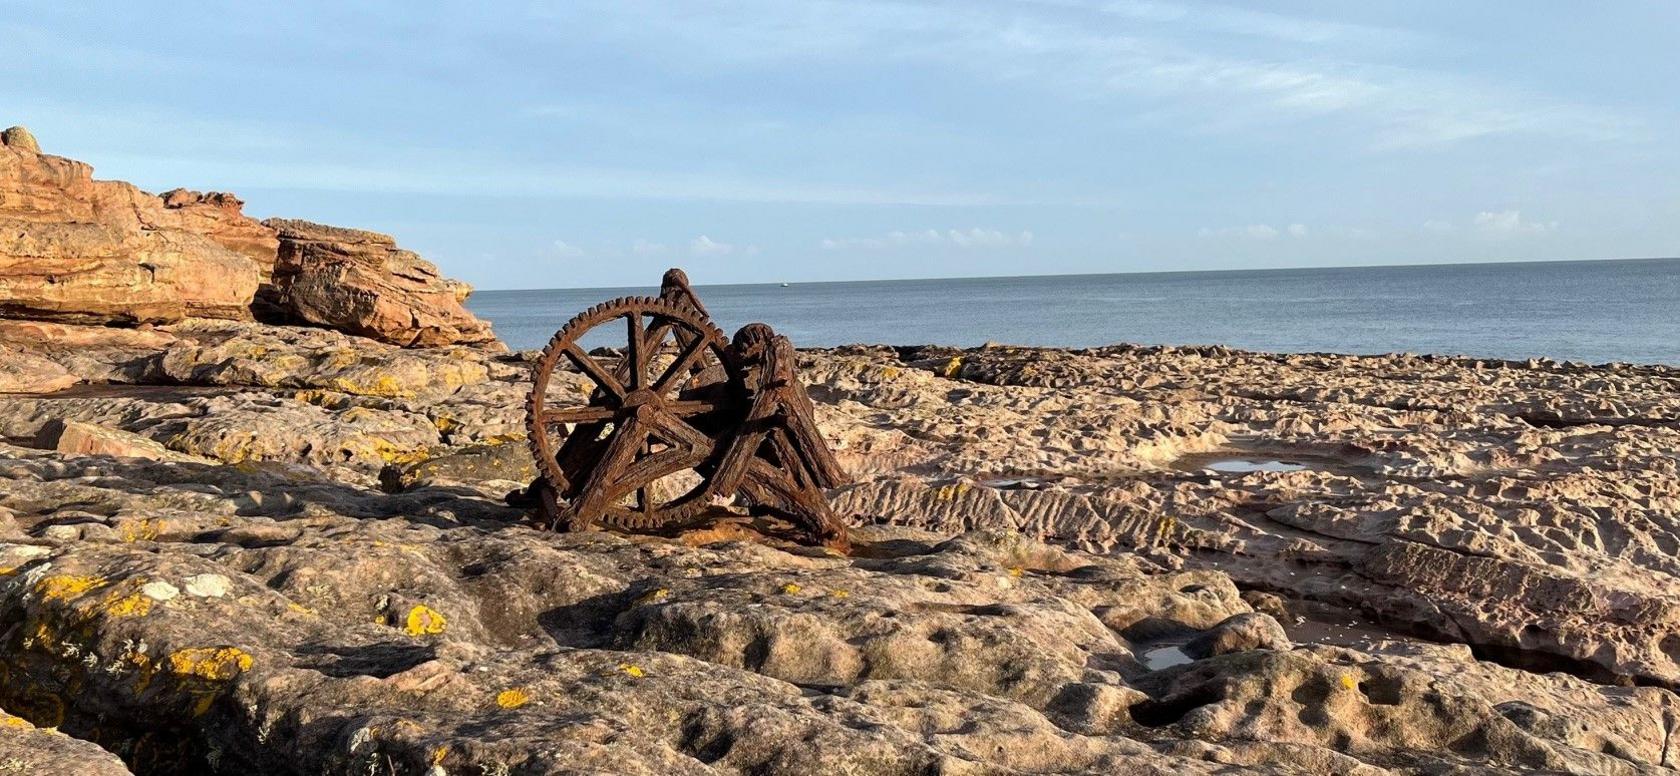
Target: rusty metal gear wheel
point(639, 451)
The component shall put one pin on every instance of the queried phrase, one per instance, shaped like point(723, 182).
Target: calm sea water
point(1593, 311)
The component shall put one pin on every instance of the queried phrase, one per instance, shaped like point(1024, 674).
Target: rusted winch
point(677, 424)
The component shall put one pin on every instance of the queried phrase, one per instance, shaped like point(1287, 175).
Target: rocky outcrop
point(78, 250)
point(19, 138)
point(362, 283)
point(1523, 508)
point(244, 548)
point(233, 620)
point(95, 273)
point(22, 372)
point(26, 750)
point(220, 216)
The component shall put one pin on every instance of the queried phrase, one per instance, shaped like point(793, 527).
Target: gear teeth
point(541, 442)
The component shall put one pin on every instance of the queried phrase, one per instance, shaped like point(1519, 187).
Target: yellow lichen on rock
point(66, 587)
point(131, 605)
point(143, 530)
point(513, 699)
point(383, 385)
point(389, 452)
point(632, 670)
point(951, 492)
point(216, 664)
point(423, 620)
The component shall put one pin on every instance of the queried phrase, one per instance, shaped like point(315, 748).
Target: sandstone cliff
point(75, 249)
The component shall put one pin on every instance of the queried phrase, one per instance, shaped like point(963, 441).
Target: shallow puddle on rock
point(1164, 657)
point(1239, 460)
point(1245, 465)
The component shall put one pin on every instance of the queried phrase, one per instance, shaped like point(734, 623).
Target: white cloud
point(706, 246)
point(1437, 226)
point(988, 238)
point(1301, 68)
point(1510, 223)
point(975, 238)
point(1260, 232)
point(566, 250)
point(644, 247)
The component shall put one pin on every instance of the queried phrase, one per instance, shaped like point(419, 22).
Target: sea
point(1588, 311)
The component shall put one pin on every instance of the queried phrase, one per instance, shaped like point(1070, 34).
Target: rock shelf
point(233, 547)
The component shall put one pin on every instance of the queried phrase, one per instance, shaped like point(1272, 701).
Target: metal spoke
point(637, 354)
point(686, 407)
point(578, 415)
point(593, 370)
point(680, 367)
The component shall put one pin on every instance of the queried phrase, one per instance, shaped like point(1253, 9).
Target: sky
point(583, 144)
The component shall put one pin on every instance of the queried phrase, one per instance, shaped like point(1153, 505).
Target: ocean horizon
point(1597, 311)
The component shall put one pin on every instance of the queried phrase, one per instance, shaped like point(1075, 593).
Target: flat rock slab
point(26, 750)
point(316, 627)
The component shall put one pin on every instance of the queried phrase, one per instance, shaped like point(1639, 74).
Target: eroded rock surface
point(79, 250)
point(1060, 558)
point(26, 750)
point(241, 621)
point(362, 283)
point(76, 249)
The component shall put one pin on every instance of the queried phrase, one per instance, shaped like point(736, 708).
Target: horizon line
point(1106, 274)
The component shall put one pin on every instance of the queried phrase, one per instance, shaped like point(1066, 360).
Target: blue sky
point(564, 144)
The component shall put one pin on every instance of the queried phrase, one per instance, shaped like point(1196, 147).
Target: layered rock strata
point(79, 250)
point(362, 283)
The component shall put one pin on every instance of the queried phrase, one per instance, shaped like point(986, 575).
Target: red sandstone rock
point(79, 250)
point(218, 216)
point(362, 283)
point(76, 249)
